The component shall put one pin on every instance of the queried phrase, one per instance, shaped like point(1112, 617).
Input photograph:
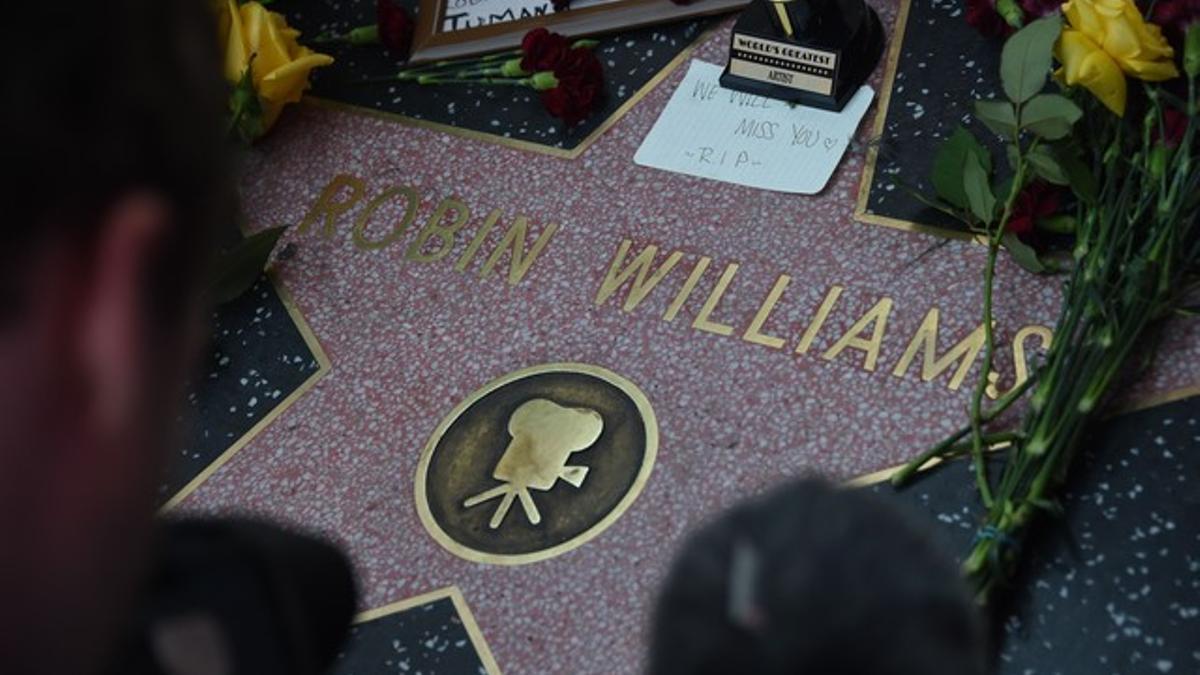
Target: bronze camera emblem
point(536, 463)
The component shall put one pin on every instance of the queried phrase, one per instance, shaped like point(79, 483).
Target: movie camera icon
point(544, 435)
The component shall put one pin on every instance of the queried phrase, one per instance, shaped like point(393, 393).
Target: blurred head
point(813, 579)
point(115, 175)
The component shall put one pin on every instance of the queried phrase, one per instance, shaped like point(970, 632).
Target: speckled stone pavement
point(408, 340)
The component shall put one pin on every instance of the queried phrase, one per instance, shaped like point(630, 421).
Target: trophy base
point(821, 66)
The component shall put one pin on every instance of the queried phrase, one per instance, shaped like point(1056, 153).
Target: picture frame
point(436, 36)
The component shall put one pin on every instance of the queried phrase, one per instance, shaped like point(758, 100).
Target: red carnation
point(1038, 200)
point(395, 27)
point(542, 50)
point(983, 16)
point(580, 86)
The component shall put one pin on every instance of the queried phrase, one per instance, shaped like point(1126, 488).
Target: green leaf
point(1047, 166)
point(1050, 505)
point(999, 116)
point(1079, 176)
point(949, 163)
point(245, 110)
point(1050, 116)
point(1003, 187)
point(1010, 152)
point(978, 190)
point(1022, 253)
point(236, 270)
point(1025, 59)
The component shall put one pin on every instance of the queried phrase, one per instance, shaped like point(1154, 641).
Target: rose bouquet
point(1107, 161)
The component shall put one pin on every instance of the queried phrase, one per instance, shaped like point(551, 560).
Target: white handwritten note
point(461, 14)
point(740, 138)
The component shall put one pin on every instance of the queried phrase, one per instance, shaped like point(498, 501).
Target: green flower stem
point(1136, 244)
point(989, 345)
point(947, 444)
point(362, 35)
point(1127, 274)
point(454, 79)
point(989, 339)
point(480, 72)
point(416, 71)
point(985, 562)
point(990, 441)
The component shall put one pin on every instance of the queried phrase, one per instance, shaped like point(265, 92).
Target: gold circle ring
point(628, 388)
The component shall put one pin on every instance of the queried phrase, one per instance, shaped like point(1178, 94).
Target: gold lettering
point(1020, 361)
point(753, 331)
point(688, 286)
point(329, 208)
point(520, 261)
point(964, 352)
point(878, 316)
point(714, 297)
point(360, 223)
point(434, 228)
point(810, 333)
point(473, 248)
point(643, 283)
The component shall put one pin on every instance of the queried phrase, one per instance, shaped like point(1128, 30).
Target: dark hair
point(811, 579)
point(101, 98)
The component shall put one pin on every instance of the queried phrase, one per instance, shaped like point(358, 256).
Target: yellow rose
point(261, 39)
point(1106, 40)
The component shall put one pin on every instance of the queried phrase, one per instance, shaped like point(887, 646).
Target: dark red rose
point(983, 16)
point(542, 50)
point(1175, 16)
point(1038, 200)
point(395, 27)
point(580, 86)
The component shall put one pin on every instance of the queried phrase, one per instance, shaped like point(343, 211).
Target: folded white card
point(741, 138)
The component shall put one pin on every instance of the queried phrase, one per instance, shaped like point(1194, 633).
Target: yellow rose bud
point(1106, 40)
point(259, 39)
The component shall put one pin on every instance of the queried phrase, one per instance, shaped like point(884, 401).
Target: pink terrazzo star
point(408, 340)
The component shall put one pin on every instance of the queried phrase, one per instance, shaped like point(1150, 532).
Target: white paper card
point(461, 14)
point(741, 138)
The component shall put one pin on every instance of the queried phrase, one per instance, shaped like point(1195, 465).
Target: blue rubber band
point(1004, 542)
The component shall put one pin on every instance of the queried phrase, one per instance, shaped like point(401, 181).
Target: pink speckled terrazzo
point(409, 340)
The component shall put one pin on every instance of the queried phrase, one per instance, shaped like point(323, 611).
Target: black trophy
point(812, 52)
